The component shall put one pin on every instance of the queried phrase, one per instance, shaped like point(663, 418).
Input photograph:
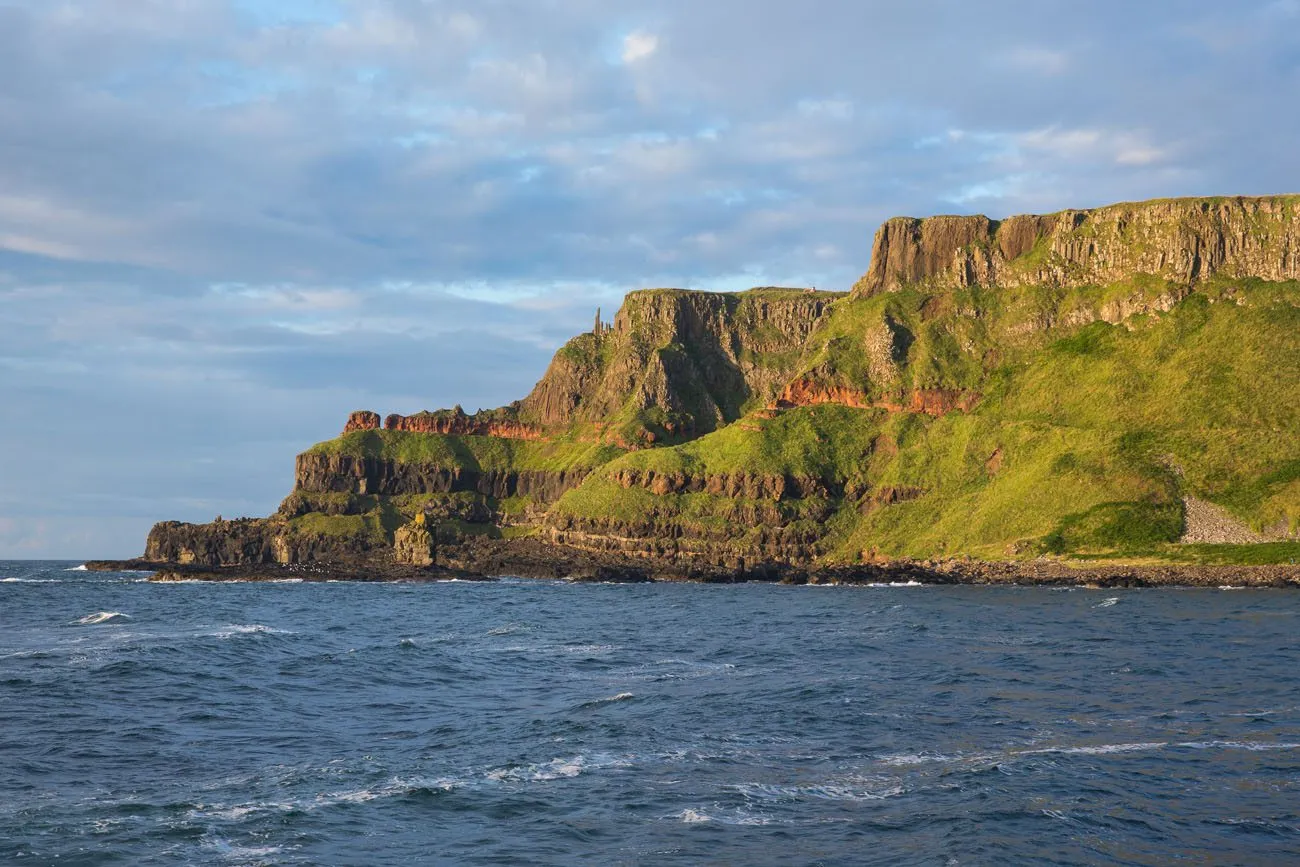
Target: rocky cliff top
point(1181, 240)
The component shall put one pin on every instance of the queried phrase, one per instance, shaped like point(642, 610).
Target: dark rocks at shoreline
point(484, 559)
point(360, 572)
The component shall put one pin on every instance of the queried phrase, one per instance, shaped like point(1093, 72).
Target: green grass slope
point(480, 453)
point(1085, 441)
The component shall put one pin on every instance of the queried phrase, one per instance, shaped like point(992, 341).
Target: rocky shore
point(486, 559)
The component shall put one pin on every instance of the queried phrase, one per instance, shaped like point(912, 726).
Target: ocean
point(543, 722)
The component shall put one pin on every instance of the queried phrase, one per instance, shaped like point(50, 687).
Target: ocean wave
point(906, 759)
point(30, 581)
point(676, 669)
point(588, 649)
point(396, 787)
point(980, 760)
point(233, 852)
point(691, 816)
point(81, 568)
point(1254, 747)
point(555, 769)
point(1096, 750)
point(601, 702)
point(829, 791)
point(1107, 603)
point(100, 617)
point(249, 629)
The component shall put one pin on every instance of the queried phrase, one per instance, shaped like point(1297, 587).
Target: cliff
point(676, 364)
point(1080, 384)
point(1179, 240)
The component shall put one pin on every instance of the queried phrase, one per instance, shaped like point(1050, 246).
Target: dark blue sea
point(538, 722)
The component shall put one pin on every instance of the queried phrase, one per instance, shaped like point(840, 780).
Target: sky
point(225, 224)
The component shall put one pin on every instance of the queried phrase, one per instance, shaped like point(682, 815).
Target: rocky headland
point(1106, 396)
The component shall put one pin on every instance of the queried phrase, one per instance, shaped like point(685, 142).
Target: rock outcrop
point(362, 419)
point(930, 401)
point(1179, 240)
point(455, 422)
point(413, 544)
point(688, 362)
point(350, 474)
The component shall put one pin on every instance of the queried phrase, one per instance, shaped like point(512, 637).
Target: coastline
point(531, 559)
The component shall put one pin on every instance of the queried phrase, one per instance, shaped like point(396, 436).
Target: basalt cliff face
point(676, 364)
point(1181, 240)
point(1080, 383)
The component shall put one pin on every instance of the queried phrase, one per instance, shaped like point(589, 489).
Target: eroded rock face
point(1180, 240)
point(697, 356)
point(413, 544)
point(244, 541)
point(248, 541)
point(362, 419)
point(751, 486)
point(354, 475)
point(456, 423)
point(930, 401)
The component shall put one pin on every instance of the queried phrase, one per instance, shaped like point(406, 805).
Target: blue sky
point(224, 224)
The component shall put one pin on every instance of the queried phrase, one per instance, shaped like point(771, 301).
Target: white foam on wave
point(395, 787)
point(906, 759)
point(232, 852)
point(1255, 747)
point(249, 629)
point(81, 568)
point(508, 629)
point(985, 759)
point(610, 699)
point(1107, 603)
point(896, 584)
point(691, 816)
point(1096, 750)
point(103, 617)
point(828, 791)
point(30, 581)
point(686, 668)
point(588, 649)
point(555, 769)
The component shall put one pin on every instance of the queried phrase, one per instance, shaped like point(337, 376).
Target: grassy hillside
point(468, 452)
point(1085, 440)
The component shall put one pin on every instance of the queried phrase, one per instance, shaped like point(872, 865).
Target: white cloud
point(639, 45)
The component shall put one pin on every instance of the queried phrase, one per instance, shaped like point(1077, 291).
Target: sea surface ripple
point(537, 722)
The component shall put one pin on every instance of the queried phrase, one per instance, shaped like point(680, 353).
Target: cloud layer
point(226, 223)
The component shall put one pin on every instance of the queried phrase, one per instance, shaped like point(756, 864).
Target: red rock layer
point(931, 401)
point(362, 419)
